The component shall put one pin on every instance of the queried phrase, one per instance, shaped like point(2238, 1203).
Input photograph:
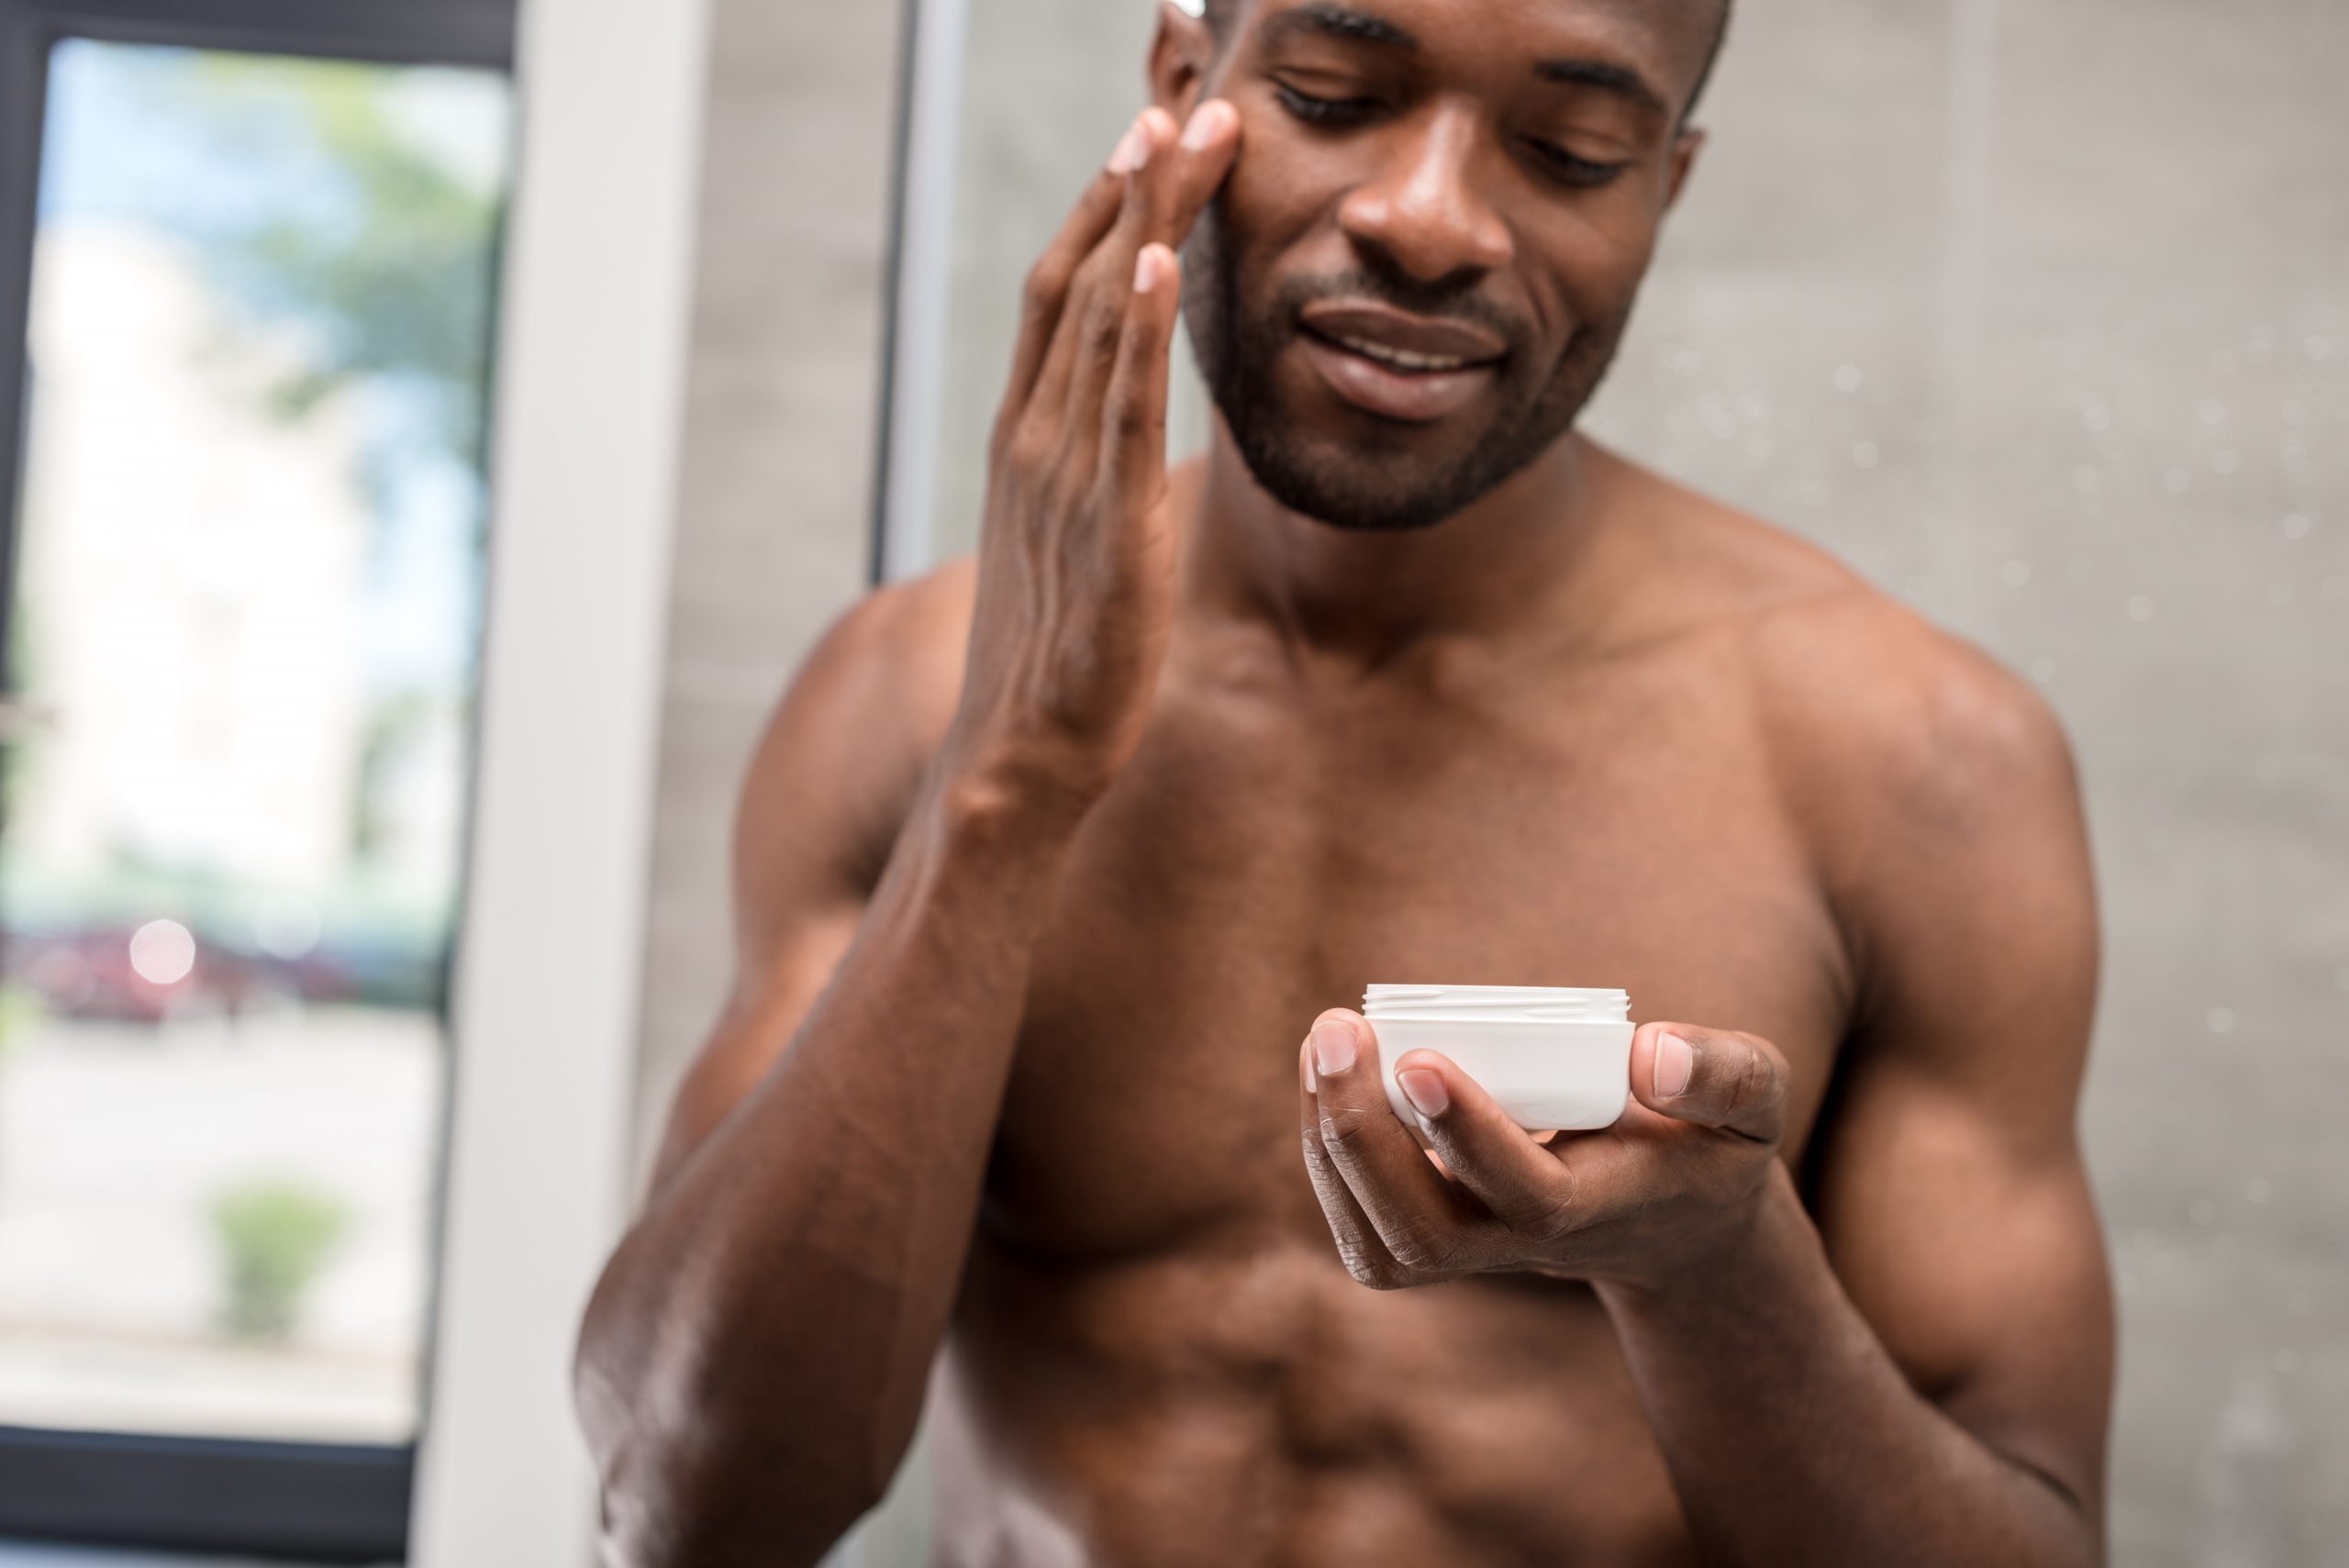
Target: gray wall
point(775, 491)
point(2039, 315)
point(1050, 87)
point(782, 402)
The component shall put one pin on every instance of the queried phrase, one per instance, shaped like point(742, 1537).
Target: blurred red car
point(89, 973)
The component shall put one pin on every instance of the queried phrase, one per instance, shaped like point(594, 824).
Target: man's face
point(1478, 182)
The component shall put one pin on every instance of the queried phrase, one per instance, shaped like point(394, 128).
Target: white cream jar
point(1556, 1060)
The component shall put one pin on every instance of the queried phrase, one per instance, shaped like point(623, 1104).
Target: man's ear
point(1683, 159)
point(1182, 52)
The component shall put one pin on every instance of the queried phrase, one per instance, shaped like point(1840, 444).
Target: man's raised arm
point(752, 1365)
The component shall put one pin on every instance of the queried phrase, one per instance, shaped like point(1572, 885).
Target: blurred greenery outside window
point(246, 618)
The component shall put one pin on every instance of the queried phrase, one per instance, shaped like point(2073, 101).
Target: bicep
point(1950, 1187)
point(1976, 1257)
point(761, 1015)
point(828, 785)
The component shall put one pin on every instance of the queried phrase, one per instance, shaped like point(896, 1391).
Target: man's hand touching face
point(1077, 557)
point(1642, 1204)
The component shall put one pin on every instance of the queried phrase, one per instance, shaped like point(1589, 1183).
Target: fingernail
point(1146, 269)
point(1131, 152)
point(1333, 1047)
point(1312, 1084)
point(1425, 1090)
point(1675, 1060)
point(1203, 122)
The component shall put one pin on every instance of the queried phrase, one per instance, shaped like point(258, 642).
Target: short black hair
point(1219, 19)
point(1712, 58)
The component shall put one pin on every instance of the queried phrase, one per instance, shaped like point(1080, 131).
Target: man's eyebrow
point(1326, 18)
point(1606, 76)
point(1330, 19)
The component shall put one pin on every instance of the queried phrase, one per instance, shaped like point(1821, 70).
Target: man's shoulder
point(896, 654)
point(1871, 710)
point(1934, 788)
point(869, 705)
point(910, 630)
point(1892, 719)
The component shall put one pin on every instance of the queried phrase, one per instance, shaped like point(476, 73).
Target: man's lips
point(1377, 384)
point(1394, 364)
point(1411, 343)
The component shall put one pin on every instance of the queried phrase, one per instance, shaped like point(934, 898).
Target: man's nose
point(1422, 206)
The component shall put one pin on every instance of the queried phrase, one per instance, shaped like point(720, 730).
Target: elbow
point(690, 1477)
point(725, 1430)
point(654, 1513)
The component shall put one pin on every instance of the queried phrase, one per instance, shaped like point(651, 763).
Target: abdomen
point(1248, 1403)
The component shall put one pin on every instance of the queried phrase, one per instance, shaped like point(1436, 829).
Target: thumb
point(1711, 1077)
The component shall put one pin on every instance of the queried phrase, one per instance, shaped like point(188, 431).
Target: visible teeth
point(1402, 357)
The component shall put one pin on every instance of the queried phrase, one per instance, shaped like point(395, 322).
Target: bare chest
point(1251, 869)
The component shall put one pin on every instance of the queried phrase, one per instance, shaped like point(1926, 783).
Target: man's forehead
point(1627, 18)
point(1671, 39)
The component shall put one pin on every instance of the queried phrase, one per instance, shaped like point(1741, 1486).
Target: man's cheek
point(1269, 201)
point(1601, 268)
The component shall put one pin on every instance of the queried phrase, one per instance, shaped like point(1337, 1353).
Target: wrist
point(1035, 783)
point(1736, 1265)
point(993, 797)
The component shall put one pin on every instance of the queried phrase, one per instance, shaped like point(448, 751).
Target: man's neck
point(1514, 558)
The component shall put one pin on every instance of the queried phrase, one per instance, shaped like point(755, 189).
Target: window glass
point(235, 753)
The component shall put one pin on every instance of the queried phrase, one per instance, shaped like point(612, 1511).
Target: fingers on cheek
point(1163, 158)
point(1155, 194)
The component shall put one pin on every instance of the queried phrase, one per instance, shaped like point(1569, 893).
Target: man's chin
point(1311, 417)
point(1348, 484)
point(1321, 456)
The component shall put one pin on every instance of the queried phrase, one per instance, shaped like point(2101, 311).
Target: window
point(249, 259)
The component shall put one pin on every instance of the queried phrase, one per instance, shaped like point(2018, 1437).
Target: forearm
point(752, 1363)
point(1793, 1438)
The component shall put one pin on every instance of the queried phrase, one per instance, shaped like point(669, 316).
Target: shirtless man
point(1056, 866)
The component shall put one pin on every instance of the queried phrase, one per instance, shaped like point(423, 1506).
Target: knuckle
point(1131, 419)
point(1040, 293)
point(1004, 433)
point(1105, 322)
point(1344, 1127)
point(1752, 1087)
point(1029, 451)
point(1549, 1223)
point(1421, 1248)
point(1548, 1216)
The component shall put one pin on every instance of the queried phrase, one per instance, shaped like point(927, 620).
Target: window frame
point(327, 1503)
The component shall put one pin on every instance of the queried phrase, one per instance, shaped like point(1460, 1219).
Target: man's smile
point(1399, 366)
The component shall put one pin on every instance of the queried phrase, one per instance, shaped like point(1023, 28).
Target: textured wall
point(773, 531)
point(2037, 313)
point(782, 402)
